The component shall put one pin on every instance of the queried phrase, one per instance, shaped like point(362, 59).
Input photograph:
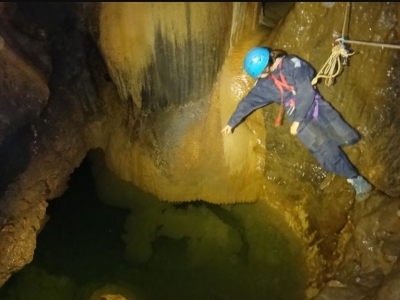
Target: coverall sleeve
point(256, 98)
point(305, 92)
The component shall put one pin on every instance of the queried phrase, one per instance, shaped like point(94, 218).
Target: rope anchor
point(341, 53)
point(334, 65)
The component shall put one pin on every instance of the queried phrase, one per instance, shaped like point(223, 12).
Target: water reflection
point(148, 249)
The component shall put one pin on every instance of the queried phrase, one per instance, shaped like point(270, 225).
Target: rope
point(333, 66)
point(368, 43)
point(346, 19)
point(333, 63)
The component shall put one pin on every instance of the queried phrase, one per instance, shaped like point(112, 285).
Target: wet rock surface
point(38, 158)
point(369, 266)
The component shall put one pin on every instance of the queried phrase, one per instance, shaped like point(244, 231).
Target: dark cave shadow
point(80, 225)
point(15, 155)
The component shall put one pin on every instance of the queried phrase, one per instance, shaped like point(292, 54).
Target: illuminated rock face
point(171, 77)
point(166, 72)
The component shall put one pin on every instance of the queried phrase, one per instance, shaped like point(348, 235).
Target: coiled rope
point(333, 66)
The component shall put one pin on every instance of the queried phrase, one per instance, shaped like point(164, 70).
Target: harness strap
point(280, 85)
point(314, 112)
point(317, 98)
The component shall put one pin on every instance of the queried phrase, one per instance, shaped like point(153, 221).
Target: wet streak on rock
point(179, 75)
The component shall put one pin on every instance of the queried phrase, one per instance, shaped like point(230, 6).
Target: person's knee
point(327, 155)
point(312, 137)
point(334, 160)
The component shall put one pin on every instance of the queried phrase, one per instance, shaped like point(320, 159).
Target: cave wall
point(166, 71)
point(24, 83)
point(49, 96)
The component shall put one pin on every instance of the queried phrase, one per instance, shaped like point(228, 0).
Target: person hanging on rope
point(286, 80)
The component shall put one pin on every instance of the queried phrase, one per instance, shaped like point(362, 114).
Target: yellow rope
point(333, 63)
point(332, 66)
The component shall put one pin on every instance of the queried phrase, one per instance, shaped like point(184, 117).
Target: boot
point(349, 139)
point(362, 188)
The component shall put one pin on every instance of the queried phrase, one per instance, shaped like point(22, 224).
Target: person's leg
point(333, 159)
point(335, 126)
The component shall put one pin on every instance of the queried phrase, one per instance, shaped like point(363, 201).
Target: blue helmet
point(255, 61)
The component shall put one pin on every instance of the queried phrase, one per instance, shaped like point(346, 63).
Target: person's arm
point(256, 98)
point(227, 129)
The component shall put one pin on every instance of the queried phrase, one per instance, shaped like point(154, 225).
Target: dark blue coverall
point(322, 130)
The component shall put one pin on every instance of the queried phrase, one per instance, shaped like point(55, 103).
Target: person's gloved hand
point(227, 129)
point(294, 127)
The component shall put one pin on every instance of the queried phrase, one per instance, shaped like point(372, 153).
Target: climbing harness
point(341, 53)
point(291, 104)
point(317, 97)
point(280, 85)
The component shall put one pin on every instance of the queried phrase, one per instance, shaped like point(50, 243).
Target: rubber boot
point(362, 188)
point(349, 140)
